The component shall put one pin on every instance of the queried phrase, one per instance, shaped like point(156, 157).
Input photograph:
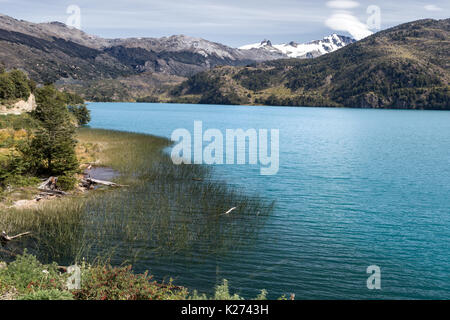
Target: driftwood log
point(91, 181)
point(8, 252)
point(4, 238)
point(228, 212)
point(49, 186)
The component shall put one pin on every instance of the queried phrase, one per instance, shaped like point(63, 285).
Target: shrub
point(81, 113)
point(19, 181)
point(222, 292)
point(22, 88)
point(26, 274)
point(51, 294)
point(14, 85)
point(13, 172)
point(7, 89)
point(66, 183)
point(113, 283)
point(17, 122)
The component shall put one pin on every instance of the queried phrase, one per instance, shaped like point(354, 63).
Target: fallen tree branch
point(228, 212)
point(5, 238)
point(105, 183)
point(48, 184)
point(8, 252)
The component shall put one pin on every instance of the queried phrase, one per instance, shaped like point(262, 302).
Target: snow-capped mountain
point(205, 48)
point(303, 50)
point(52, 51)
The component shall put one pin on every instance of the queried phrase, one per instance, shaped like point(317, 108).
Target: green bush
point(51, 294)
point(66, 183)
point(22, 88)
point(17, 122)
point(26, 274)
point(222, 292)
point(112, 283)
point(81, 113)
point(6, 87)
point(13, 171)
point(28, 279)
point(15, 85)
point(19, 181)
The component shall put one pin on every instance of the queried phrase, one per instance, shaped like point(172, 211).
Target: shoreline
point(265, 105)
point(121, 220)
point(90, 159)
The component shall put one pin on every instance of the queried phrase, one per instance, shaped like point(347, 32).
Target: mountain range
point(402, 67)
point(407, 66)
point(53, 52)
point(311, 49)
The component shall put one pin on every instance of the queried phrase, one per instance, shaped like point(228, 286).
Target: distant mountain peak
point(310, 49)
point(58, 23)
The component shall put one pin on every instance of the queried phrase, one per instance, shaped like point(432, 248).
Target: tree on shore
point(15, 85)
point(81, 113)
point(52, 148)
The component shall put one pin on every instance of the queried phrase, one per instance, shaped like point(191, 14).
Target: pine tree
point(81, 113)
point(21, 84)
point(53, 144)
point(7, 88)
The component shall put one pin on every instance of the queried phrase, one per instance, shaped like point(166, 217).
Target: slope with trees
point(403, 67)
point(47, 143)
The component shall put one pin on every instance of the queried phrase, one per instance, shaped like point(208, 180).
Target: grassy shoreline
point(167, 209)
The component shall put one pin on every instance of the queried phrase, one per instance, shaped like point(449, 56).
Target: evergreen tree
point(52, 149)
point(7, 88)
point(21, 84)
point(82, 114)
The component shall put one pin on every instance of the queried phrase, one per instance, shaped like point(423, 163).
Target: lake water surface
point(355, 188)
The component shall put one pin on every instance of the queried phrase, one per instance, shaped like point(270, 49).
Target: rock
point(19, 107)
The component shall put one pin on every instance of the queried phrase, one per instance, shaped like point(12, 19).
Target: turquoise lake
point(355, 188)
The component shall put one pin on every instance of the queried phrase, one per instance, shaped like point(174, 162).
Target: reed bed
point(167, 209)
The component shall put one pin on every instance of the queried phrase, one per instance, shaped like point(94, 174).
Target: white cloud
point(345, 21)
point(432, 7)
point(342, 4)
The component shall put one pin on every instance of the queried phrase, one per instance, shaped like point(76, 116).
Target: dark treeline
point(15, 85)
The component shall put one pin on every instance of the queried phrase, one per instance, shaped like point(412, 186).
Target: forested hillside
point(403, 67)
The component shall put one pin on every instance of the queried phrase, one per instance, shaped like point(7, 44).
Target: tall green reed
point(167, 209)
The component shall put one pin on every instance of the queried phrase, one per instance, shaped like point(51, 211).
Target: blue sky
point(231, 22)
